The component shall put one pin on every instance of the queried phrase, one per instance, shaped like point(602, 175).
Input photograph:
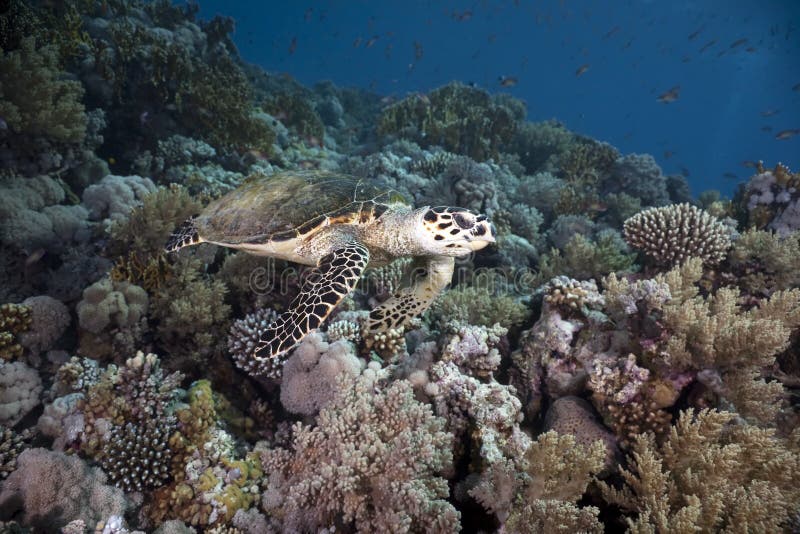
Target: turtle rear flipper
point(335, 276)
point(185, 235)
point(412, 301)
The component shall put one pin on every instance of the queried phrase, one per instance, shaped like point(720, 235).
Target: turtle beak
point(482, 234)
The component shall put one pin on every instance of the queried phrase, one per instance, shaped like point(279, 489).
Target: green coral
point(35, 100)
point(191, 313)
point(461, 119)
point(296, 112)
point(536, 142)
point(583, 258)
point(478, 305)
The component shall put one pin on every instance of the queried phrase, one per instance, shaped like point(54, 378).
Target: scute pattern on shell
point(283, 205)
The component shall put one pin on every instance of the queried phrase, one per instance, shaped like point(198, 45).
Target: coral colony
point(623, 357)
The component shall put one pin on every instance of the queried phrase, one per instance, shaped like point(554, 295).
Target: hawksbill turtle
point(339, 224)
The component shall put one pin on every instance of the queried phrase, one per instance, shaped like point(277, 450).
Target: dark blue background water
point(733, 99)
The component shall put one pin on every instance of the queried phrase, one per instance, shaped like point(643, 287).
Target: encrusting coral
point(670, 235)
point(710, 475)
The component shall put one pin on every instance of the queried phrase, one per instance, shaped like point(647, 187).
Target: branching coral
point(478, 305)
point(671, 234)
point(763, 262)
point(371, 462)
point(557, 475)
point(14, 320)
point(11, 445)
point(710, 475)
point(584, 258)
point(34, 99)
point(459, 118)
point(537, 142)
point(716, 334)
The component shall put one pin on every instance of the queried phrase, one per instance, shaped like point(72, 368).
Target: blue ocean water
point(598, 67)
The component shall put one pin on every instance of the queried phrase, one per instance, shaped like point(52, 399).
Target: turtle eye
point(462, 221)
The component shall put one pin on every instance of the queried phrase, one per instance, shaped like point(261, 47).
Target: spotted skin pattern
point(334, 278)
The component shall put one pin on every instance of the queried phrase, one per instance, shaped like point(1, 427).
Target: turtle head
point(454, 231)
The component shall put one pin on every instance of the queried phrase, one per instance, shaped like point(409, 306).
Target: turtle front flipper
point(412, 301)
point(335, 276)
point(185, 235)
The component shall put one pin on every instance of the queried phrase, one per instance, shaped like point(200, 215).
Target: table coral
point(371, 462)
point(671, 234)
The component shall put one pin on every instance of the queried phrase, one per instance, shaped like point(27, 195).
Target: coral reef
point(371, 462)
point(709, 475)
point(669, 235)
point(459, 118)
point(52, 489)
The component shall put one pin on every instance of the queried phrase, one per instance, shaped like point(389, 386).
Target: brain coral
point(669, 235)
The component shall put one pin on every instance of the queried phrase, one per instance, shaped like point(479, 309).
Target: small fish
point(694, 34)
point(372, 41)
point(796, 88)
point(730, 176)
point(492, 38)
point(112, 160)
point(357, 42)
point(583, 68)
point(507, 81)
point(706, 46)
point(144, 118)
point(769, 112)
point(627, 44)
point(748, 163)
point(35, 256)
point(669, 96)
point(668, 154)
point(308, 14)
point(462, 16)
point(738, 42)
point(685, 172)
point(418, 51)
point(293, 45)
point(751, 49)
point(786, 134)
point(613, 31)
point(766, 128)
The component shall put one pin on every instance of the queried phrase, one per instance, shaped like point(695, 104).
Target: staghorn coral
point(14, 320)
point(710, 475)
point(669, 235)
point(371, 463)
point(461, 119)
point(50, 489)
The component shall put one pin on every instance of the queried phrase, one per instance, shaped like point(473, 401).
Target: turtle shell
point(291, 204)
